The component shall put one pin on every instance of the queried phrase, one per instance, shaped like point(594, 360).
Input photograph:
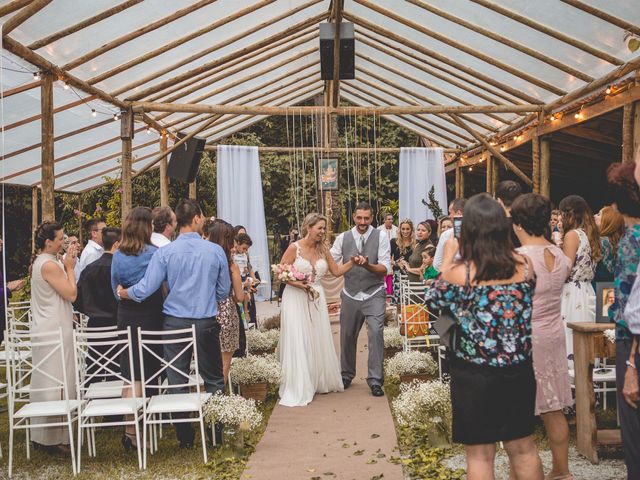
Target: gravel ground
point(582, 469)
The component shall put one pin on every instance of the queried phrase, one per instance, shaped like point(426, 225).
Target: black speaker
point(347, 51)
point(185, 160)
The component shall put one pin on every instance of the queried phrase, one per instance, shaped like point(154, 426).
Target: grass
point(112, 462)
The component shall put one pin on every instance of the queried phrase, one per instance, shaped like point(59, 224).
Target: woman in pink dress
point(531, 213)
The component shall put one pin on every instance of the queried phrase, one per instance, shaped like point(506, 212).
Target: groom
point(364, 294)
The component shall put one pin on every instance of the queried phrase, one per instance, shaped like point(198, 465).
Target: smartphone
point(457, 226)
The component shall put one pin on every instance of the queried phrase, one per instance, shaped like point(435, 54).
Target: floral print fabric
point(494, 321)
point(626, 267)
point(584, 268)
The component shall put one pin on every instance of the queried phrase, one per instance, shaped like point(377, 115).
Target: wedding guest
point(221, 233)
point(164, 226)
point(197, 273)
point(391, 231)
point(530, 213)
point(506, 192)
point(241, 258)
point(555, 224)
point(129, 265)
point(581, 244)
point(93, 250)
point(6, 290)
point(611, 227)
point(456, 210)
point(444, 224)
point(401, 249)
point(423, 231)
point(94, 297)
point(493, 387)
point(426, 270)
point(625, 195)
point(53, 288)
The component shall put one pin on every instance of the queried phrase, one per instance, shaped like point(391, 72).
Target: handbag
point(446, 327)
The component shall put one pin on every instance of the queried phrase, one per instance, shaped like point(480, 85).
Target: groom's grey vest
point(360, 279)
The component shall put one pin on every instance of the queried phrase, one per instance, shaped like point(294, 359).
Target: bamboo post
point(34, 217)
point(495, 174)
point(48, 177)
point(164, 180)
point(535, 154)
point(126, 169)
point(489, 174)
point(80, 226)
point(192, 191)
point(545, 166)
point(636, 128)
point(627, 132)
point(337, 21)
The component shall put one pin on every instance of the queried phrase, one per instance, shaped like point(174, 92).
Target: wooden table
point(588, 344)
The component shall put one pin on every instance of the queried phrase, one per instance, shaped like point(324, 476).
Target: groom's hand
point(364, 261)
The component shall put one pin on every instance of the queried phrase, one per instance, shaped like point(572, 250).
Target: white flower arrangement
point(427, 403)
point(392, 337)
point(412, 362)
point(232, 411)
point(262, 340)
point(255, 369)
point(610, 335)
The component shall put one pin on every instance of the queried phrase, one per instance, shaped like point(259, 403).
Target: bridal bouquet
point(289, 273)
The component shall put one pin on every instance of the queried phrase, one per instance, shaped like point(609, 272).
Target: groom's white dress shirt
point(384, 256)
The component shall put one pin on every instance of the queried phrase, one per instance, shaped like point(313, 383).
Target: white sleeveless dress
point(307, 354)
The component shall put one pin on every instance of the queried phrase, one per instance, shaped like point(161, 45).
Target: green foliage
point(432, 203)
point(391, 206)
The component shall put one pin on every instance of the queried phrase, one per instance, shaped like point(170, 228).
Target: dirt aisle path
point(346, 435)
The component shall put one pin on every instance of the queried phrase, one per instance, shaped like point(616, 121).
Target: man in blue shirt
point(197, 276)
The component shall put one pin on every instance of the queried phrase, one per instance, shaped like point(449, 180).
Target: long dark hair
point(577, 214)
point(222, 233)
point(485, 239)
point(136, 232)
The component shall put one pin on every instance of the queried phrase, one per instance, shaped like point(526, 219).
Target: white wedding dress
point(307, 354)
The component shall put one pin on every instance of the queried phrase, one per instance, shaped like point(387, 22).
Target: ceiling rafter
point(602, 15)
point(23, 15)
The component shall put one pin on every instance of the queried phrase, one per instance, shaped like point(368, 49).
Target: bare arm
point(338, 270)
point(570, 245)
point(65, 286)
point(236, 282)
point(287, 259)
point(450, 249)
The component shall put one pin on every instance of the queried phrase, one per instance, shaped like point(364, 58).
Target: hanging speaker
point(185, 160)
point(347, 51)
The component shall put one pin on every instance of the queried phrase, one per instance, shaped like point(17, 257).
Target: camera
point(457, 227)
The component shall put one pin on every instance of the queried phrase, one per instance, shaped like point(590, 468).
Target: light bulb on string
point(608, 90)
point(93, 112)
point(116, 117)
point(471, 169)
point(65, 85)
point(36, 76)
point(503, 148)
point(148, 130)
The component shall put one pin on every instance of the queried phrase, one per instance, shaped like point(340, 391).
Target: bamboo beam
point(585, 47)
point(379, 44)
point(12, 6)
point(24, 14)
point(607, 17)
point(535, 156)
point(338, 150)
point(532, 79)
point(178, 14)
point(545, 166)
point(164, 179)
point(310, 110)
point(47, 175)
point(627, 132)
point(493, 151)
point(38, 116)
point(193, 195)
point(338, 6)
point(504, 40)
point(126, 168)
point(83, 24)
point(437, 56)
point(20, 89)
point(219, 61)
point(34, 217)
point(176, 43)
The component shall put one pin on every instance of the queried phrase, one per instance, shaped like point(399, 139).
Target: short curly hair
point(532, 212)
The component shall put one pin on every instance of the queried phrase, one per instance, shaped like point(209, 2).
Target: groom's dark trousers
point(353, 314)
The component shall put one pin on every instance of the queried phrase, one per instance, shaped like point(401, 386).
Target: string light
point(608, 90)
point(65, 85)
point(36, 76)
point(578, 115)
point(492, 143)
point(503, 148)
point(148, 130)
point(471, 169)
point(116, 117)
point(93, 112)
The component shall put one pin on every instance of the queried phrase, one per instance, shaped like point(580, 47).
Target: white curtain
point(420, 170)
point(240, 202)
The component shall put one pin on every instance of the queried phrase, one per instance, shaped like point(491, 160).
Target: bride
point(307, 354)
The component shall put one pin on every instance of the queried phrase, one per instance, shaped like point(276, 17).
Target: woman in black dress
point(401, 249)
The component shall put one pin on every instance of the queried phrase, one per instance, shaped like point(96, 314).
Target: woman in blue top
point(128, 267)
point(493, 388)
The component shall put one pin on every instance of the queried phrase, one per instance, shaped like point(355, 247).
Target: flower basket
point(269, 351)
point(262, 342)
point(410, 363)
point(255, 391)
point(418, 377)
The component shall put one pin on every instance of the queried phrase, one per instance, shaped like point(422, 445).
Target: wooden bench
point(588, 344)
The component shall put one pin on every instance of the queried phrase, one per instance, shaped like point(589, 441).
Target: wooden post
point(126, 166)
point(489, 175)
point(627, 132)
point(337, 21)
point(80, 226)
point(48, 177)
point(459, 182)
point(636, 128)
point(34, 217)
point(192, 190)
point(164, 180)
point(545, 166)
point(535, 153)
point(495, 174)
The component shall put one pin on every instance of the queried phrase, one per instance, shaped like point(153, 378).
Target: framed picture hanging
point(605, 296)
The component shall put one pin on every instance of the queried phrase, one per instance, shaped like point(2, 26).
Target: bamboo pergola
point(92, 92)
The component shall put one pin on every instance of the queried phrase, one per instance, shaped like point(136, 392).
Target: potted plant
point(392, 341)
point(237, 415)
point(426, 405)
point(411, 365)
point(254, 373)
point(261, 342)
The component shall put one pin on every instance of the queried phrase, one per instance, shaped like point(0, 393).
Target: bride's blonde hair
point(311, 220)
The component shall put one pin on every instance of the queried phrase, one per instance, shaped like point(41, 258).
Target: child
point(428, 271)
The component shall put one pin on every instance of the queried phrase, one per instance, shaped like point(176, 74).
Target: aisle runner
point(346, 435)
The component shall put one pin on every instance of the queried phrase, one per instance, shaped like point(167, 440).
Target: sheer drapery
point(240, 202)
point(420, 170)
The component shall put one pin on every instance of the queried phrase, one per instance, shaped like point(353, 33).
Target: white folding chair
point(162, 404)
point(413, 319)
point(103, 350)
point(50, 347)
point(107, 388)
